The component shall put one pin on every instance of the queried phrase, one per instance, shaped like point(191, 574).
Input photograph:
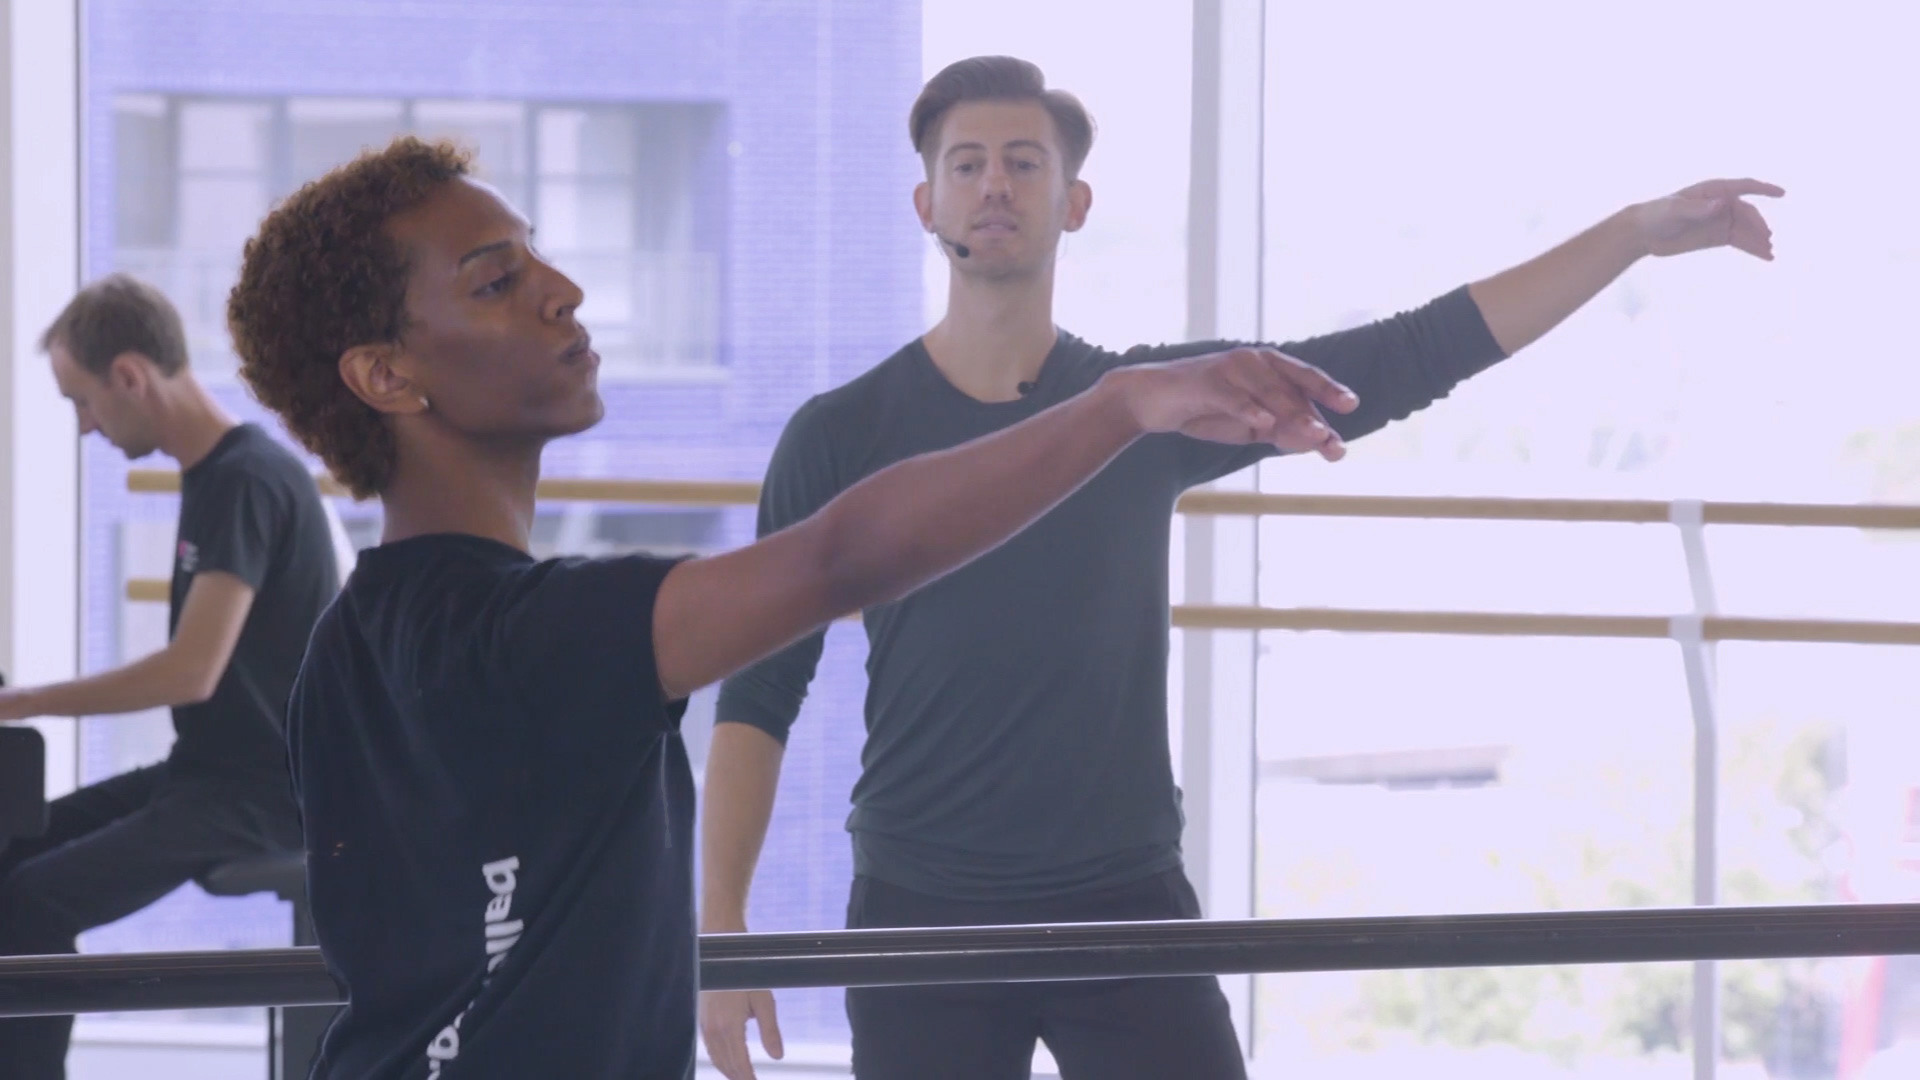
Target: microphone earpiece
point(960, 250)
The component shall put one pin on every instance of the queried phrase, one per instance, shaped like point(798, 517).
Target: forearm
point(1405, 362)
point(155, 681)
point(743, 771)
point(1521, 304)
point(922, 517)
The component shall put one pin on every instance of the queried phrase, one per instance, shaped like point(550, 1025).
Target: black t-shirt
point(251, 509)
point(499, 818)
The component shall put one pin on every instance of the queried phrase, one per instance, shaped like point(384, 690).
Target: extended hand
point(1245, 395)
point(14, 704)
point(1711, 214)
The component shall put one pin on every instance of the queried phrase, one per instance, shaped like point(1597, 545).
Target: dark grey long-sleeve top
point(1016, 713)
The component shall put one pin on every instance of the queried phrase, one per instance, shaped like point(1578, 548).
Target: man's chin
point(589, 416)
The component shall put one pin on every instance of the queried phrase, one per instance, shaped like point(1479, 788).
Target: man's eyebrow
point(484, 250)
point(1024, 144)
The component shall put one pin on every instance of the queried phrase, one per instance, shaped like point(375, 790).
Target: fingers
point(723, 1026)
point(1318, 385)
point(764, 1015)
point(1750, 232)
point(1292, 414)
point(1731, 189)
point(1287, 388)
point(1301, 429)
point(1754, 187)
point(1334, 448)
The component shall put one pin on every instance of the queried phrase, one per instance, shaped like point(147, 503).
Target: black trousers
point(110, 849)
point(1116, 1029)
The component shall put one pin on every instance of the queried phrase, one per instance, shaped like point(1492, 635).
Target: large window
point(1410, 149)
point(614, 192)
point(730, 183)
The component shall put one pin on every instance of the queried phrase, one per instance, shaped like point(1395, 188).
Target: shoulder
point(329, 650)
point(575, 624)
point(836, 422)
point(629, 572)
point(255, 460)
point(861, 396)
point(562, 600)
point(1160, 354)
point(1089, 361)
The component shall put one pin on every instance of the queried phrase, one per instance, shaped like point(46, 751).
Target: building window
point(615, 193)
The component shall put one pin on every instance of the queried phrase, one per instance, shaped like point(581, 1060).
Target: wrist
point(723, 922)
point(17, 703)
point(1630, 229)
point(1112, 400)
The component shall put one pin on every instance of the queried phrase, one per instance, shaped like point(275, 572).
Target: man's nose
point(999, 182)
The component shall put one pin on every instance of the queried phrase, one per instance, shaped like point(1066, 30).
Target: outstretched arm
point(185, 672)
point(912, 522)
point(1523, 303)
point(1401, 364)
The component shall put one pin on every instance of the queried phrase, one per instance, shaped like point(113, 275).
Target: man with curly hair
point(253, 568)
point(485, 748)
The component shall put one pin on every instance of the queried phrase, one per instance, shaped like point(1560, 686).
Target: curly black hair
point(322, 276)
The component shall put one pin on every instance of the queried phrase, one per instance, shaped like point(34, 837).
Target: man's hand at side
point(723, 1026)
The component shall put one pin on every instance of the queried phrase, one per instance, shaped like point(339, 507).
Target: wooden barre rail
point(1473, 623)
point(1256, 504)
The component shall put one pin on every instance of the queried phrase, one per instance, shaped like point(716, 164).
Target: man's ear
point(923, 204)
point(129, 373)
point(1079, 201)
point(373, 374)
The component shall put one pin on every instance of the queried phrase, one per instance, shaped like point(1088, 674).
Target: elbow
point(196, 687)
point(194, 694)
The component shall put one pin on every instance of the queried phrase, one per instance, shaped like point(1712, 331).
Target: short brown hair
point(999, 78)
point(322, 276)
point(119, 314)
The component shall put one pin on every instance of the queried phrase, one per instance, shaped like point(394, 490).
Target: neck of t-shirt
point(991, 364)
point(226, 438)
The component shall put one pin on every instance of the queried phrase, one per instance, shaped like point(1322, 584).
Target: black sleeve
point(801, 478)
point(1397, 366)
point(239, 521)
point(578, 633)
